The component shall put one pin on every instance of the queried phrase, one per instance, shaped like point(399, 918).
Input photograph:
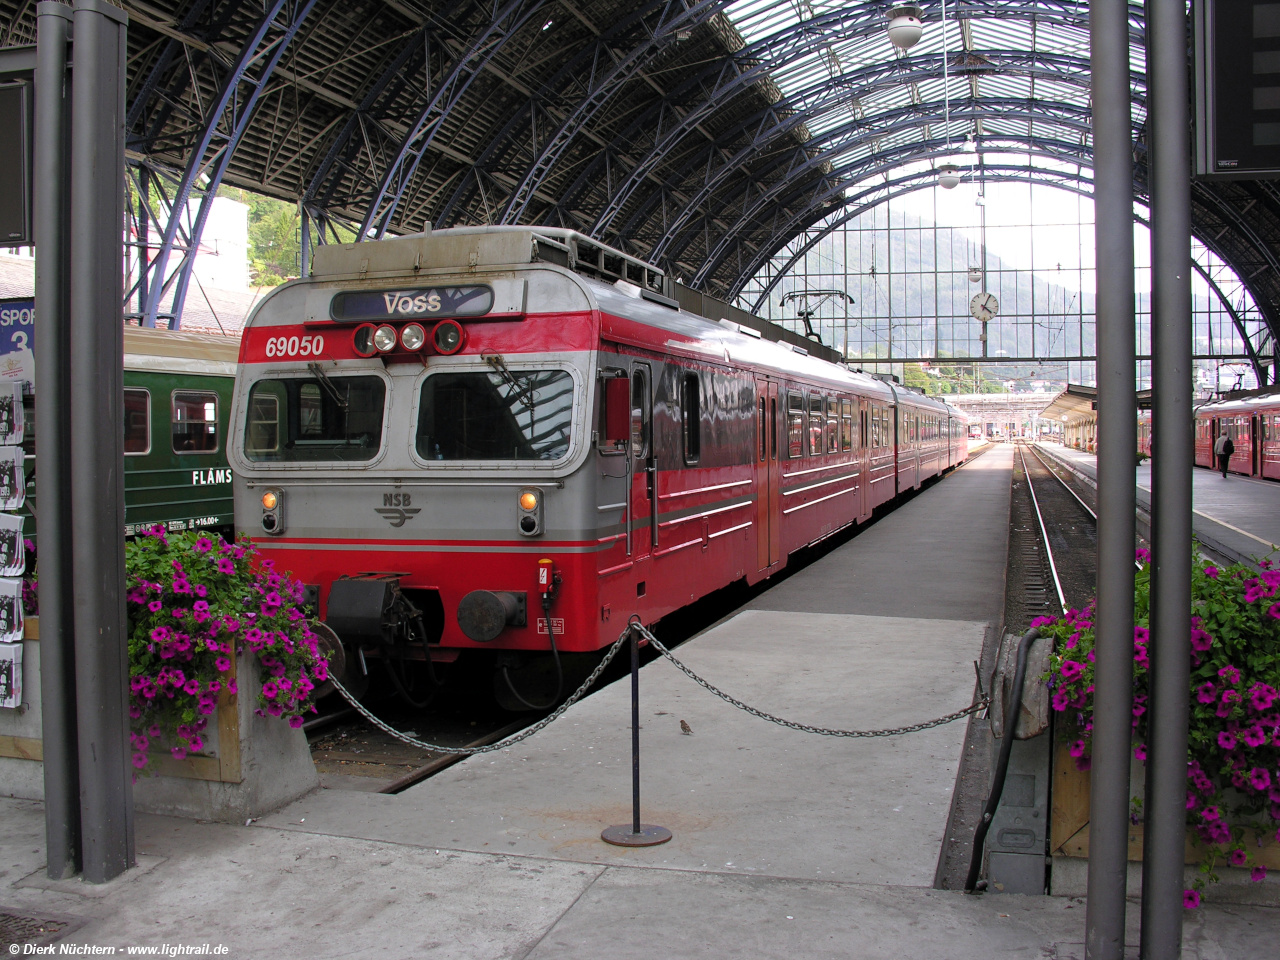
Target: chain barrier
point(981, 703)
point(501, 744)
point(974, 707)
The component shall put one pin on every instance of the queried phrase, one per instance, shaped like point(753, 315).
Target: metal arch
point(399, 66)
point(910, 117)
point(504, 139)
point(761, 55)
point(600, 90)
point(999, 174)
point(478, 53)
point(1243, 230)
point(236, 105)
point(828, 94)
point(890, 190)
point(139, 102)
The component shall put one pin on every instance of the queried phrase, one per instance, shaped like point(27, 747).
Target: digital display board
point(15, 165)
point(1237, 84)
point(412, 304)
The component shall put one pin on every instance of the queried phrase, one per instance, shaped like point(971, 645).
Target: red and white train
point(1253, 424)
point(445, 434)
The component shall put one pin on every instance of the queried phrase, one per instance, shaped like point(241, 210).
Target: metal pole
point(635, 732)
point(637, 834)
point(53, 491)
point(97, 438)
point(144, 233)
point(1169, 177)
point(304, 266)
point(1117, 441)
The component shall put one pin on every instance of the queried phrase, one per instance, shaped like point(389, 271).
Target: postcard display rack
point(13, 555)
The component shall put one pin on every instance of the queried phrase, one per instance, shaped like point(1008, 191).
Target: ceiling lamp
point(905, 27)
point(948, 176)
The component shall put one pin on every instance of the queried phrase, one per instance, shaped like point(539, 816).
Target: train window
point(817, 421)
point(795, 426)
point(833, 425)
point(262, 433)
point(512, 415)
point(195, 422)
point(846, 424)
point(762, 428)
point(691, 416)
point(305, 419)
point(137, 422)
point(640, 419)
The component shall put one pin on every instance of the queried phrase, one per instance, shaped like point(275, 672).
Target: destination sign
point(429, 302)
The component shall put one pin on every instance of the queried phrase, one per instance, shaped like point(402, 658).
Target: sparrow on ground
point(685, 728)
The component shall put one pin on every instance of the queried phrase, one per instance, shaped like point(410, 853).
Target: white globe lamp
point(948, 176)
point(905, 27)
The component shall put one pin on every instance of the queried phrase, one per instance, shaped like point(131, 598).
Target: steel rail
point(1044, 533)
point(1080, 500)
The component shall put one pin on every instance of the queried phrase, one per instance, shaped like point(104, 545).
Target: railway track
point(1052, 544)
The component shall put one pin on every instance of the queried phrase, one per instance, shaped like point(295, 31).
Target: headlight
point(448, 336)
point(384, 338)
point(413, 337)
point(362, 340)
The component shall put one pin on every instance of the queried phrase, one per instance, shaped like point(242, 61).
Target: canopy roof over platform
point(701, 135)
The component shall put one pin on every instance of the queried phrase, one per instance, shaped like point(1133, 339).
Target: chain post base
point(649, 835)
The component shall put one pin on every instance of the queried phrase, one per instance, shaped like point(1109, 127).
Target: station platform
point(786, 844)
point(1237, 517)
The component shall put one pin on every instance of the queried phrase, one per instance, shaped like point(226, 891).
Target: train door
point(642, 529)
point(768, 477)
point(863, 458)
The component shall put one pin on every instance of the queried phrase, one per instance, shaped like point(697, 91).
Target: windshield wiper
point(523, 393)
point(329, 388)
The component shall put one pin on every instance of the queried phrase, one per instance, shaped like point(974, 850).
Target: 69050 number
point(295, 346)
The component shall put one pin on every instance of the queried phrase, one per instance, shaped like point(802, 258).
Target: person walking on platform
point(1223, 448)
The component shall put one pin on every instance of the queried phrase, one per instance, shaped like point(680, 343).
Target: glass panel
point(137, 421)
point(305, 419)
point(816, 421)
point(795, 425)
point(512, 415)
point(195, 422)
point(639, 415)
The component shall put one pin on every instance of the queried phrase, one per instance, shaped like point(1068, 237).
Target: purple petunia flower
point(1140, 752)
point(1200, 640)
point(1211, 572)
point(139, 760)
point(1258, 874)
point(225, 566)
point(1238, 857)
point(1207, 693)
point(192, 686)
point(1226, 740)
point(1190, 899)
point(223, 664)
point(1071, 670)
point(179, 753)
point(295, 722)
point(202, 545)
point(1259, 778)
point(269, 690)
point(1230, 674)
point(155, 606)
point(1254, 736)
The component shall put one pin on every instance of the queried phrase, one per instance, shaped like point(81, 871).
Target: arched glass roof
point(704, 135)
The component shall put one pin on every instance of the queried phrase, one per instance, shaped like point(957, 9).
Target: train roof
point(1222, 408)
point(174, 351)
point(614, 282)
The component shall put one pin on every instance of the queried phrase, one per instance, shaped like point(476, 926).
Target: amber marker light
point(269, 500)
point(528, 500)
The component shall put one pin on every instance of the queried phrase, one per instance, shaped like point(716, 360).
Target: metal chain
point(577, 695)
point(977, 705)
point(501, 744)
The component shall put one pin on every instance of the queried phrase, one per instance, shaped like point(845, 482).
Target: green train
point(177, 401)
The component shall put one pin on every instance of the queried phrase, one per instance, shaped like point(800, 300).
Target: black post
point(97, 438)
point(1169, 176)
point(635, 732)
point(53, 488)
point(638, 834)
point(1117, 443)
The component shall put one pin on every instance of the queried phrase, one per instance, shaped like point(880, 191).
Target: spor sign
point(412, 304)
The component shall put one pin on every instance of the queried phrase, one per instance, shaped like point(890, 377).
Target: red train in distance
point(1253, 423)
point(510, 440)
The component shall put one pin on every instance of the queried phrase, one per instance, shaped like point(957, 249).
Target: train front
point(410, 429)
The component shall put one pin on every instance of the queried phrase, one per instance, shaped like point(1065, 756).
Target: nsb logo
point(395, 508)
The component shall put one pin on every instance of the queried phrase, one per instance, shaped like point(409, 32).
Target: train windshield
point(500, 415)
point(309, 419)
